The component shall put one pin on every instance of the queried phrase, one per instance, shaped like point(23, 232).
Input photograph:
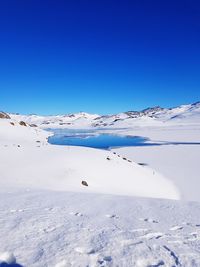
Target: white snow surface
point(46, 228)
point(179, 163)
point(37, 164)
point(130, 215)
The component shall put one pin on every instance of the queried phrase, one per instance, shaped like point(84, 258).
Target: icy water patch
point(101, 139)
point(95, 139)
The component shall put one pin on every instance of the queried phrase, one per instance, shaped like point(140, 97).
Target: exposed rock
point(4, 115)
point(70, 115)
point(196, 103)
point(22, 123)
point(33, 125)
point(64, 123)
point(12, 123)
point(151, 110)
point(84, 183)
point(142, 164)
point(117, 120)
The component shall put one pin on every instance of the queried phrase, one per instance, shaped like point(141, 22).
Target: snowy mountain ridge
point(152, 116)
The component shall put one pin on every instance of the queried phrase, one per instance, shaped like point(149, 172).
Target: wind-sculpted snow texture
point(75, 229)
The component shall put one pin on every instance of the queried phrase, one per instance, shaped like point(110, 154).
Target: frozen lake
point(95, 139)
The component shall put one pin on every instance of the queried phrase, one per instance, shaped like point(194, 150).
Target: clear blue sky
point(99, 56)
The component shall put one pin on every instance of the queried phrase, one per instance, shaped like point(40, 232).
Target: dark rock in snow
point(22, 123)
point(84, 183)
point(4, 115)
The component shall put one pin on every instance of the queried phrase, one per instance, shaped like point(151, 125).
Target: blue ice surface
point(95, 139)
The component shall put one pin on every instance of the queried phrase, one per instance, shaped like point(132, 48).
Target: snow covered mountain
point(155, 116)
point(152, 116)
point(57, 121)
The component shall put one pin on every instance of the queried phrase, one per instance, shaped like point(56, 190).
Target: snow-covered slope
point(156, 116)
point(11, 132)
point(63, 229)
point(81, 119)
point(49, 219)
point(179, 163)
point(37, 164)
point(185, 113)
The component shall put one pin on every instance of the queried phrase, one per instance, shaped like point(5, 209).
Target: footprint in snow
point(13, 211)
point(50, 229)
point(76, 214)
point(48, 209)
point(63, 263)
point(175, 242)
point(148, 220)
point(130, 242)
point(105, 260)
point(139, 230)
point(187, 223)
point(176, 228)
point(194, 236)
point(20, 210)
point(85, 250)
point(150, 236)
point(149, 263)
point(112, 216)
point(192, 239)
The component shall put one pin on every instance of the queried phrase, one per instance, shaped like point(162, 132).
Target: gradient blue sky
point(98, 56)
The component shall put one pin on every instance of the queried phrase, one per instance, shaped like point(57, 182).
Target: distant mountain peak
point(196, 103)
point(152, 109)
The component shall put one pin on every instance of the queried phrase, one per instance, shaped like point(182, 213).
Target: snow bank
point(179, 163)
point(11, 132)
point(36, 164)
